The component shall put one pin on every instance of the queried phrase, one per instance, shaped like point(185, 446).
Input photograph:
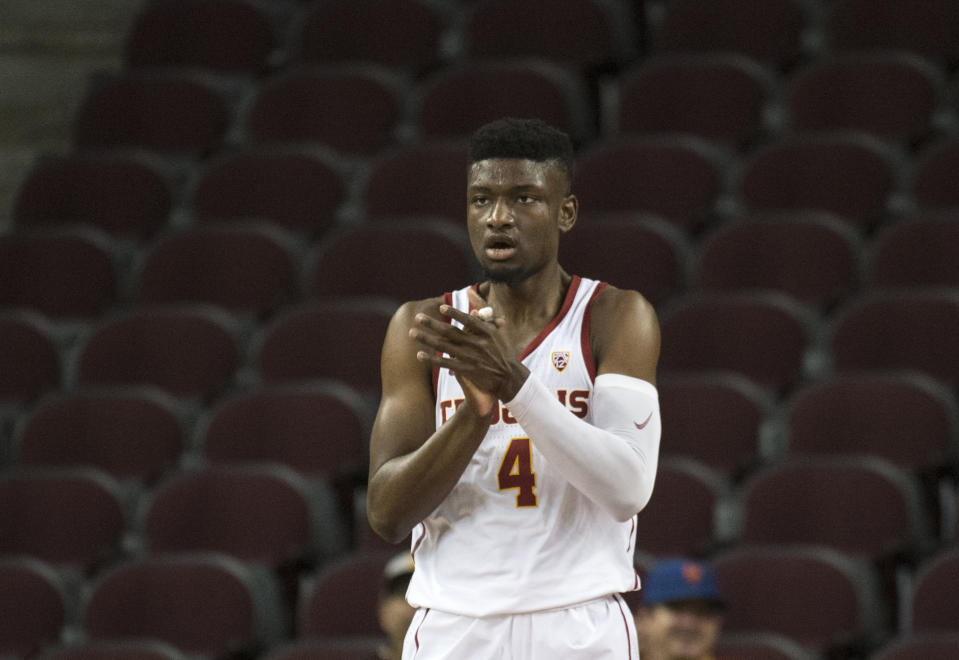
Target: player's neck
point(535, 300)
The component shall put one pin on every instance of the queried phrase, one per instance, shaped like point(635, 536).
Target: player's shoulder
point(614, 304)
point(624, 333)
point(430, 306)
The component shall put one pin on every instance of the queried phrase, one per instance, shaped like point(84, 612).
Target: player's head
point(519, 199)
point(682, 611)
point(524, 139)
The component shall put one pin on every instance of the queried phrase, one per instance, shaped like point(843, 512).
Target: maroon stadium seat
point(200, 604)
point(761, 646)
point(760, 336)
point(33, 607)
point(404, 34)
point(812, 257)
point(929, 28)
point(581, 34)
point(849, 175)
point(70, 517)
point(265, 514)
point(714, 419)
point(935, 596)
point(187, 351)
point(907, 419)
point(133, 649)
point(299, 190)
point(402, 260)
point(224, 36)
point(899, 330)
point(920, 646)
point(628, 250)
point(245, 269)
point(933, 185)
point(820, 502)
point(341, 601)
point(918, 252)
point(129, 433)
point(715, 97)
point(338, 339)
point(169, 114)
point(780, 590)
point(677, 178)
point(318, 429)
point(352, 109)
point(770, 32)
point(456, 100)
point(681, 517)
point(65, 273)
point(122, 194)
point(395, 184)
point(30, 362)
point(333, 649)
point(889, 95)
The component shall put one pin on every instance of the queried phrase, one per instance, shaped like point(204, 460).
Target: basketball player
point(518, 449)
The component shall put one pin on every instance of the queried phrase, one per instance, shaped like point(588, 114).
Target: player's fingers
point(476, 301)
point(470, 323)
point(436, 360)
point(428, 324)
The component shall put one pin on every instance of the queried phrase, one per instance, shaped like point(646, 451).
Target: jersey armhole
point(585, 344)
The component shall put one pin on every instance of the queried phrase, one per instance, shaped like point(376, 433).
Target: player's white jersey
point(513, 535)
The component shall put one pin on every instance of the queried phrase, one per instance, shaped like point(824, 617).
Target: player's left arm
point(612, 461)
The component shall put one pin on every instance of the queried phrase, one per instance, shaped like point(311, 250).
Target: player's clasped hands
point(475, 353)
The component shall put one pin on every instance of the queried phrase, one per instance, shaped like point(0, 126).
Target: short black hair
point(529, 139)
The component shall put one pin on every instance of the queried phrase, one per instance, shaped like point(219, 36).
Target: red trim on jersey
point(584, 337)
point(416, 543)
point(416, 635)
point(629, 640)
point(448, 299)
point(469, 303)
point(567, 303)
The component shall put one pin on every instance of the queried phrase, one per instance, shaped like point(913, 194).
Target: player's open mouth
point(500, 248)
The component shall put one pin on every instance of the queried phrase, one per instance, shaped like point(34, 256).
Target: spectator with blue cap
point(681, 614)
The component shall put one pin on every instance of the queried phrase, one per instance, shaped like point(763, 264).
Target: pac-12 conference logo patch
point(560, 359)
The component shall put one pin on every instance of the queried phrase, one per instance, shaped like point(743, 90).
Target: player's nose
point(500, 214)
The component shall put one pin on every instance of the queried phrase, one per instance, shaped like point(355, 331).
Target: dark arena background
point(212, 207)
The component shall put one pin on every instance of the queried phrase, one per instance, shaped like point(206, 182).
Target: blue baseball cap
point(679, 579)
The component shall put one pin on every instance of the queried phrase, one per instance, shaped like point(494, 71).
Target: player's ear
point(568, 213)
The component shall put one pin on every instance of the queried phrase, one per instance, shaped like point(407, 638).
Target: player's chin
point(504, 273)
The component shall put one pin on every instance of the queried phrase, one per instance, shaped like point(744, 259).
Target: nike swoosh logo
point(643, 425)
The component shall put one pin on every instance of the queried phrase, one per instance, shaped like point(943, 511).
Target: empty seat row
point(199, 352)
point(84, 520)
point(722, 421)
point(413, 36)
point(815, 501)
point(274, 507)
point(681, 179)
point(163, 608)
point(210, 604)
point(256, 269)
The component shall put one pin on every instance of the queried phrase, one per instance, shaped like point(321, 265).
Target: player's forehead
point(508, 173)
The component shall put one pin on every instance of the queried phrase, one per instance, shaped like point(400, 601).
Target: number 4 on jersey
point(516, 471)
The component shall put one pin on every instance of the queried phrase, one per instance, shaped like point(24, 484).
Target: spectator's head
point(395, 613)
point(681, 614)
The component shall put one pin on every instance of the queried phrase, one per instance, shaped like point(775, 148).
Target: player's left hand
point(476, 353)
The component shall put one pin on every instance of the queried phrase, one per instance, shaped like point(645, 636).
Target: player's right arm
point(414, 465)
